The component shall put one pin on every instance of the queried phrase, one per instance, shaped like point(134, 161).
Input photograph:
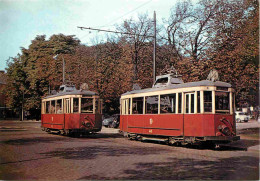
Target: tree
point(31, 73)
point(235, 52)
point(16, 84)
point(189, 28)
point(141, 31)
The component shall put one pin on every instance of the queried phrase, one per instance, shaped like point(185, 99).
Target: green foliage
point(31, 74)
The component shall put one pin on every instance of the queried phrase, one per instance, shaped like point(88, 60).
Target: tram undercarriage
point(184, 140)
point(71, 132)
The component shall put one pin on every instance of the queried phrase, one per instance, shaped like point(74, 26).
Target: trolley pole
point(154, 48)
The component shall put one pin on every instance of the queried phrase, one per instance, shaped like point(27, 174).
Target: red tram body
point(180, 112)
point(72, 111)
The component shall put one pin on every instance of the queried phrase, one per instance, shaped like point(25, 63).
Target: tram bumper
point(222, 138)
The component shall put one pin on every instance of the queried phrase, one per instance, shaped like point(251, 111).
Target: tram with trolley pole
point(72, 111)
point(180, 113)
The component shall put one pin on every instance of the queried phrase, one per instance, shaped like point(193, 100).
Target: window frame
point(220, 111)
point(175, 103)
point(61, 106)
point(73, 112)
point(189, 96)
point(211, 103)
point(93, 105)
point(146, 106)
point(143, 105)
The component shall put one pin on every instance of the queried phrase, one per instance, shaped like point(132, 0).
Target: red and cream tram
point(72, 111)
point(180, 112)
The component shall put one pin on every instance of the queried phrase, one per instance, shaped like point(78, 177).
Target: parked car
point(241, 116)
point(107, 122)
point(112, 122)
point(116, 121)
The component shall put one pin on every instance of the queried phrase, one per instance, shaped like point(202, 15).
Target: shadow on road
point(56, 137)
point(191, 169)
point(241, 145)
point(30, 141)
point(91, 152)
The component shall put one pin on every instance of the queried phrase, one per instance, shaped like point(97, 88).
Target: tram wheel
point(216, 146)
point(66, 132)
point(139, 138)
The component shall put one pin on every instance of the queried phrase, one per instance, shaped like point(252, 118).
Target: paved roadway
point(28, 153)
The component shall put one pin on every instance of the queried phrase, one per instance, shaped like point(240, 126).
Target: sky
point(22, 20)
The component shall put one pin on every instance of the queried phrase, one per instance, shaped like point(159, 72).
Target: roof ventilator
point(170, 77)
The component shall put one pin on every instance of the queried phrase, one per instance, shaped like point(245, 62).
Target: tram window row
point(179, 103)
point(72, 105)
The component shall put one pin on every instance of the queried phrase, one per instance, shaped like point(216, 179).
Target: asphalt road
point(28, 153)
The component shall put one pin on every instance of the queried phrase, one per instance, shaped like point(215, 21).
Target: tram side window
point(137, 107)
point(180, 102)
point(96, 106)
point(52, 111)
point(75, 105)
point(168, 103)
point(151, 105)
point(47, 107)
point(87, 105)
point(222, 102)
point(129, 106)
point(207, 101)
point(125, 106)
point(187, 103)
point(43, 109)
point(198, 101)
point(59, 107)
point(192, 103)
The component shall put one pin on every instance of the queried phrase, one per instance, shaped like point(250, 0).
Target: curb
point(254, 148)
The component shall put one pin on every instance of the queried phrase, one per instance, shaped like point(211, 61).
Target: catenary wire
point(120, 17)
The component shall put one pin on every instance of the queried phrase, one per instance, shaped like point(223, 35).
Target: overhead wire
point(124, 14)
point(109, 23)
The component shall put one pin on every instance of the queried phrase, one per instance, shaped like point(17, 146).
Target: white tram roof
point(71, 90)
point(75, 92)
point(183, 85)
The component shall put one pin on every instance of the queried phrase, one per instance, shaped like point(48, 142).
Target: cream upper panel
point(170, 91)
point(69, 96)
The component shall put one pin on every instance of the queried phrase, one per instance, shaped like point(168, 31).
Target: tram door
point(189, 103)
point(190, 123)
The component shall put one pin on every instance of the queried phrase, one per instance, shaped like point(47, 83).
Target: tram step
point(155, 139)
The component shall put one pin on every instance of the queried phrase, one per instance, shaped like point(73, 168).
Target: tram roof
point(75, 92)
point(184, 85)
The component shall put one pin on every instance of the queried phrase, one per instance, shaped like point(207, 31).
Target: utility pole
point(63, 72)
point(63, 67)
point(154, 47)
